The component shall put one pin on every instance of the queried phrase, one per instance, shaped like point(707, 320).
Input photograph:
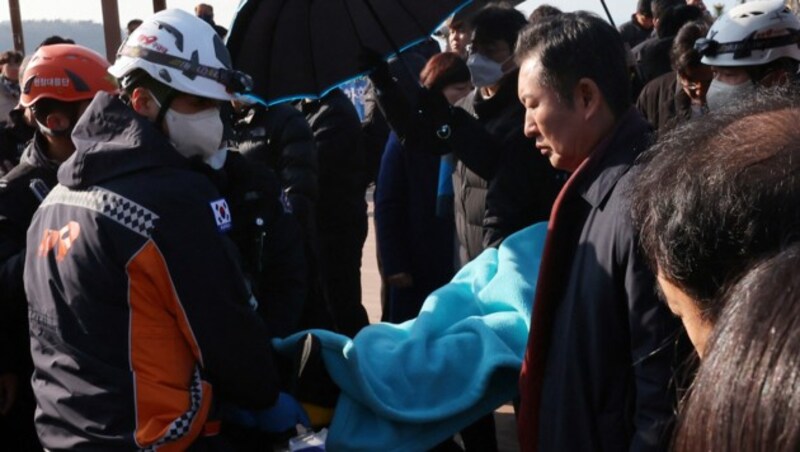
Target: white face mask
point(720, 93)
point(195, 134)
point(484, 71)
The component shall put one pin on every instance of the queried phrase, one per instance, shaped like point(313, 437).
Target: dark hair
point(444, 69)
point(572, 46)
point(543, 12)
point(11, 56)
point(683, 54)
point(55, 39)
point(659, 7)
point(674, 18)
point(746, 396)
point(714, 195)
point(643, 7)
point(132, 25)
point(498, 23)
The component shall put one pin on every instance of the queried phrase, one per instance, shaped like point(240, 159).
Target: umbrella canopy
point(297, 49)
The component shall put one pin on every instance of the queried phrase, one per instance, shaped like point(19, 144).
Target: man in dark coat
point(680, 95)
point(639, 27)
point(342, 207)
point(652, 56)
point(597, 370)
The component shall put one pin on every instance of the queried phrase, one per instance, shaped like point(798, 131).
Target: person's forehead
point(529, 77)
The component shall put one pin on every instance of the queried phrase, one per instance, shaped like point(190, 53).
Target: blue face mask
point(484, 71)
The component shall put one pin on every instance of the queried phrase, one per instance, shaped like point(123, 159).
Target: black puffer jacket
point(18, 202)
point(342, 169)
point(280, 137)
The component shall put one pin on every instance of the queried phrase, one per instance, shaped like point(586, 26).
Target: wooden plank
point(16, 25)
point(111, 28)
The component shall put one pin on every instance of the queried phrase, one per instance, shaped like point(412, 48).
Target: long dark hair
point(746, 396)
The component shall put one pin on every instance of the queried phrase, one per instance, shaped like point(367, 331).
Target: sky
point(225, 9)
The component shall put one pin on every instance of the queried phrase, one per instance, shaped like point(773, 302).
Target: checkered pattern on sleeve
point(181, 426)
point(116, 207)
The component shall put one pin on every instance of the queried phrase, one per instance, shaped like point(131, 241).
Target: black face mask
point(70, 110)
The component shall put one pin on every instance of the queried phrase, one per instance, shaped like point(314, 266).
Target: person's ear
point(142, 102)
point(588, 98)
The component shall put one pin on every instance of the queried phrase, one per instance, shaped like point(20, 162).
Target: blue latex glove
point(284, 415)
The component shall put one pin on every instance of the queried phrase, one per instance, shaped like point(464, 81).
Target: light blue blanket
point(410, 386)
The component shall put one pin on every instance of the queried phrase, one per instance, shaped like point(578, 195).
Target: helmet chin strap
point(163, 104)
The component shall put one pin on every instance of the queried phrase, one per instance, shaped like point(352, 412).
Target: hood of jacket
point(112, 140)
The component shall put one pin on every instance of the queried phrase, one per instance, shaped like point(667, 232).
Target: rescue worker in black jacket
point(141, 321)
point(269, 239)
point(56, 110)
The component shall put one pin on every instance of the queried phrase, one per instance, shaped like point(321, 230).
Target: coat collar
point(612, 158)
point(504, 97)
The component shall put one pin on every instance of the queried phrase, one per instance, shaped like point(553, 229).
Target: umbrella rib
point(272, 47)
point(352, 22)
point(413, 18)
point(382, 27)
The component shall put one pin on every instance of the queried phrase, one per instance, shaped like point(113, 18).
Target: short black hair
point(132, 25)
point(494, 23)
point(713, 196)
point(659, 7)
point(644, 8)
point(11, 56)
point(572, 46)
point(674, 18)
point(55, 39)
point(543, 12)
point(683, 55)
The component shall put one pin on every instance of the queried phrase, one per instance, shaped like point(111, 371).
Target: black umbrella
point(297, 49)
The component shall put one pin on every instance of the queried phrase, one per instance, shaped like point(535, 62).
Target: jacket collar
point(505, 96)
point(613, 157)
point(112, 140)
point(35, 155)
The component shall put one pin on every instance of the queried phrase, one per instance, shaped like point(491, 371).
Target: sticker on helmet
point(222, 214)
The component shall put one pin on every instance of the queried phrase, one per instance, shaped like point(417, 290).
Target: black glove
point(369, 60)
point(435, 113)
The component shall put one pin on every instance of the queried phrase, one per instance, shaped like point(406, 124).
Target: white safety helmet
point(752, 34)
point(182, 52)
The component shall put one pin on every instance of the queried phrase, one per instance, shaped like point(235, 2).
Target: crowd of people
point(158, 226)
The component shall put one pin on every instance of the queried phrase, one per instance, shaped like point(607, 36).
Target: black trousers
point(340, 271)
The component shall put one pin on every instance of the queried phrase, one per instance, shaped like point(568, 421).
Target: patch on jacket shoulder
point(222, 214)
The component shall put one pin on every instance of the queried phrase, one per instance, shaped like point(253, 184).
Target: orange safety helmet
point(65, 72)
